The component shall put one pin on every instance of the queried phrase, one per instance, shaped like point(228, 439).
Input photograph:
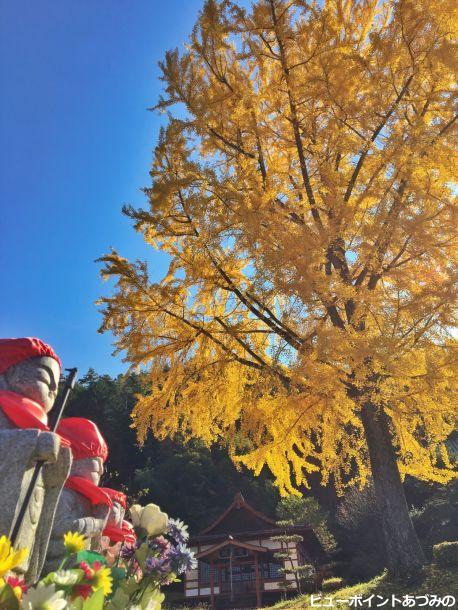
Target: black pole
point(69, 385)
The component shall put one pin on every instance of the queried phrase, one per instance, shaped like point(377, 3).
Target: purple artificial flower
point(160, 545)
point(127, 551)
point(178, 531)
point(182, 559)
point(159, 566)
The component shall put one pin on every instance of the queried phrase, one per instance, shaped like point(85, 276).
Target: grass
point(437, 581)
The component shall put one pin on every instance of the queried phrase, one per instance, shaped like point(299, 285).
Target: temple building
point(236, 563)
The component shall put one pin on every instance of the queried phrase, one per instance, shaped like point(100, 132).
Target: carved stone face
point(37, 379)
point(88, 468)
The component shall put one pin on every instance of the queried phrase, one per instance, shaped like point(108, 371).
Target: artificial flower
point(182, 559)
point(178, 531)
point(74, 543)
point(128, 551)
point(66, 578)
point(9, 558)
point(160, 545)
point(44, 597)
point(157, 566)
point(18, 585)
point(110, 551)
point(86, 569)
point(101, 578)
point(82, 591)
point(153, 520)
point(135, 513)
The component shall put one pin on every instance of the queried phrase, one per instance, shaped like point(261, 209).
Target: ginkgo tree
point(303, 190)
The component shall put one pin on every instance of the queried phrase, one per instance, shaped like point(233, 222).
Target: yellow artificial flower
point(9, 558)
point(74, 543)
point(102, 579)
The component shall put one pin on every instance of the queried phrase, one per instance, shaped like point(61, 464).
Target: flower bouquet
point(127, 576)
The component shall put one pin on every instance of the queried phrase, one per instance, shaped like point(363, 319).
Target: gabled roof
point(239, 503)
point(230, 542)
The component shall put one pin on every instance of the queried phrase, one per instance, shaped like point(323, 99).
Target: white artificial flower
point(65, 578)
point(153, 520)
point(135, 512)
point(43, 597)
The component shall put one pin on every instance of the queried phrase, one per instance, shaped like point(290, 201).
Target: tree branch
point(374, 136)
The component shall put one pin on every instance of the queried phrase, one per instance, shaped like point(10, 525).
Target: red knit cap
point(116, 496)
point(85, 438)
point(13, 351)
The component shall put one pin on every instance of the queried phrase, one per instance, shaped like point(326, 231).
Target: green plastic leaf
point(77, 604)
point(118, 573)
point(142, 553)
point(48, 579)
point(119, 601)
point(90, 557)
point(129, 586)
point(95, 602)
point(8, 601)
point(152, 598)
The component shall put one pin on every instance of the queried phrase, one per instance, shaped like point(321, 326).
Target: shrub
point(332, 584)
point(445, 554)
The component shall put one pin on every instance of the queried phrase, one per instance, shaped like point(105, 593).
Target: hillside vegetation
point(437, 581)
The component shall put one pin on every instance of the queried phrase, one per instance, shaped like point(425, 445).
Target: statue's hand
point(90, 526)
point(47, 448)
point(82, 526)
point(54, 474)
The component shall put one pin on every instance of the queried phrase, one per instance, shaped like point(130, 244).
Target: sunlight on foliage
point(303, 189)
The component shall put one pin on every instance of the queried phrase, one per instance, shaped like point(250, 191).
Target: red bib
point(89, 490)
point(114, 533)
point(116, 496)
point(23, 412)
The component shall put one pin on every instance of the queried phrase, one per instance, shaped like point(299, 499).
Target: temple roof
point(231, 542)
point(239, 517)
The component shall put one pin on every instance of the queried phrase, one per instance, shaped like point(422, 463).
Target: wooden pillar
point(212, 585)
point(258, 582)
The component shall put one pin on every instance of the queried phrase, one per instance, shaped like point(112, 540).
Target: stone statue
point(118, 531)
point(83, 507)
point(113, 528)
point(29, 377)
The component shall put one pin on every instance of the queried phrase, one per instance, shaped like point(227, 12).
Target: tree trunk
point(404, 554)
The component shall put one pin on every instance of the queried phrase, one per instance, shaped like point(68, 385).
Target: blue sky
point(77, 77)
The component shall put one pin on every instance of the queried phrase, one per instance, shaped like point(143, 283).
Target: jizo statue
point(118, 531)
point(83, 507)
point(117, 528)
point(29, 377)
point(117, 511)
